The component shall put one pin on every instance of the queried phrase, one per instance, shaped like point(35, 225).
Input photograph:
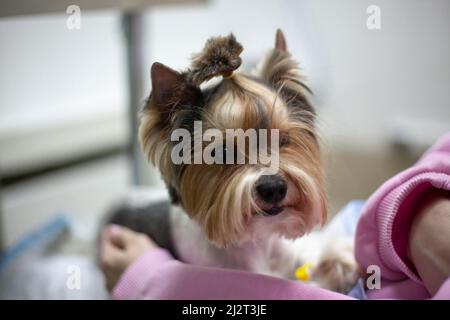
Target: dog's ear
point(279, 65)
point(164, 82)
point(173, 99)
point(171, 91)
point(282, 73)
point(280, 41)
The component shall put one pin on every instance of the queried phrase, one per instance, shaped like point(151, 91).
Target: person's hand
point(120, 247)
point(429, 241)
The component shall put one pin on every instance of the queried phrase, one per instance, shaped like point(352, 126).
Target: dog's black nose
point(271, 188)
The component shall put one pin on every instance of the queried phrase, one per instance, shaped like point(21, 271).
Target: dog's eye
point(284, 140)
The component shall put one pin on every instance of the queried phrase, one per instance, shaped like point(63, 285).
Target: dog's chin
point(289, 223)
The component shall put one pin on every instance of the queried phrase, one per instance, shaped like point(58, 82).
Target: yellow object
point(304, 272)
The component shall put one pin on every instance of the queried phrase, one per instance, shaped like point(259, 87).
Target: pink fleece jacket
point(381, 239)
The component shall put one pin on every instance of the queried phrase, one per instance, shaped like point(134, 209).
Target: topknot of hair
point(219, 57)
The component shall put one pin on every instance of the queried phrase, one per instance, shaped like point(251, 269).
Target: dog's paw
point(337, 269)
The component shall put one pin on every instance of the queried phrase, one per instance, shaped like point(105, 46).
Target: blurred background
point(68, 96)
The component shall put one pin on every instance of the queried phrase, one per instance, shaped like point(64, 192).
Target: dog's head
point(236, 202)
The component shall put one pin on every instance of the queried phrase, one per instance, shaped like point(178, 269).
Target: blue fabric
point(358, 291)
point(47, 231)
point(349, 215)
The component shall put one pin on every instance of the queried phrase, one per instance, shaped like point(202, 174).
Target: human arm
point(429, 240)
point(384, 232)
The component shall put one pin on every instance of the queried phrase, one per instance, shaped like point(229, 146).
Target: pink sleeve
point(156, 275)
point(383, 229)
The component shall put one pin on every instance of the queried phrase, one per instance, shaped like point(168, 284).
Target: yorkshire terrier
point(238, 215)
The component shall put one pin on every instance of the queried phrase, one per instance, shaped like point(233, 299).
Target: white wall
point(62, 92)
point(49, 70)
